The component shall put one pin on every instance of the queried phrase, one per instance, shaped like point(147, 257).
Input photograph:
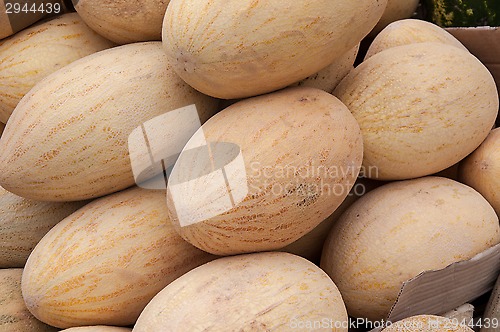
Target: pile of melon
point(224, 165)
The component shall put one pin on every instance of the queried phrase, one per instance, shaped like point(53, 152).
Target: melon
point(421, 107)
point(240, 48)
point(38, 51)
point(481, 169)
point(399, 230)
point(253, 292)
point(18, 15)
point(410, 31)
point(265, 171)
point(105, 262)
point(75, 144)
point(124, 21)
point(310, 245)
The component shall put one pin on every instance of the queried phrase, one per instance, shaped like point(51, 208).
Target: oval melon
point(38, 51)
point(241, 48)
point(24, 222)
point(481, 169)
point(105, 262)
point(399, 230)
point(74, 145)
point(124, 21)
point(255, 292)
point(421, 107)
point(277, 165)
point(410, 31)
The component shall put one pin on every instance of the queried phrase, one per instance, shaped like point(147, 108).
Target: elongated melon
point(241, 48)
point(73, 145)
point(421, 107)
point(38, 51)
point(410, 31)
point(277, 166)
point(255, 292)
point(105, 262)
point(124, 21)
point(481, 169)
point(24, 222)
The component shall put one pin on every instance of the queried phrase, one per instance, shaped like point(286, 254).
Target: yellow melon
point(265, 171)
point(124, 21)
point(481, 169)
point(421, 107)
point(105, 262)
point(74, 145)
point(254, 292)
point(410, 31)
point(399, 230)
point(240, 48)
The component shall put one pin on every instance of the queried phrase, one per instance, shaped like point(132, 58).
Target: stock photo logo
point(253, 177)
point(215, 167)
